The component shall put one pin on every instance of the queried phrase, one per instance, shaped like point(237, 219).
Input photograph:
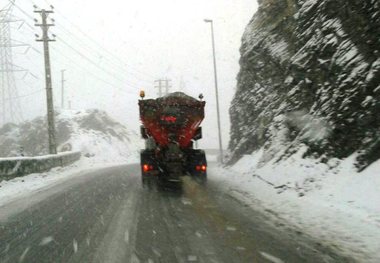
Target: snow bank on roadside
point(331, 202)
point(102, 141)
point(23, 186)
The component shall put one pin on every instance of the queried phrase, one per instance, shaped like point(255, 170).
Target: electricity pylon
point(10, 109)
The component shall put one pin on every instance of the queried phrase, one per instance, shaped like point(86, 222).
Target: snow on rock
point(92, 132)
point(331, 202)
point(316, 65)
point(305, 122)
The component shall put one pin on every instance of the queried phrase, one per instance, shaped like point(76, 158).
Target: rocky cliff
point(310, 76)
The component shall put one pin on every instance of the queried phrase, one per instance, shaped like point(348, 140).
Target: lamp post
point(216, 88)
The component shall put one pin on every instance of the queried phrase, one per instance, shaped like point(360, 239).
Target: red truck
point(170, 126)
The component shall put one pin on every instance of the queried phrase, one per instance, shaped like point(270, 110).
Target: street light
point(216, 88)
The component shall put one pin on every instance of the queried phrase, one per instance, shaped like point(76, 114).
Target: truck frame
point(170, 127)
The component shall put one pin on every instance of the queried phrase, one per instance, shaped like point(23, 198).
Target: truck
point(170, 128)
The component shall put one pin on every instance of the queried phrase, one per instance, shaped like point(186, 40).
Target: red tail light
point(147, 167)
point(202, 168)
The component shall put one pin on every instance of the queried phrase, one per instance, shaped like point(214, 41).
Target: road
point(107, 216)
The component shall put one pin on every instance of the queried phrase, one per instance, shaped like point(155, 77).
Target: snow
point(114, 146)
point(308, 5)
point(23, 158)
point(320, 94)
point(373, 71)
point(20, 187)
point(279, 50)
point(332, 202)
point(367, 101)
point(271, 258)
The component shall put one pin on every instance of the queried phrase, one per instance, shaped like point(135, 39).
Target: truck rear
point(170, 127)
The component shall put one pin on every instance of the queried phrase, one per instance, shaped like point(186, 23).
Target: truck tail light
point(147, 167)
point(202, 168)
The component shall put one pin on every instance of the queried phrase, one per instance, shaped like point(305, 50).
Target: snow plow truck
point(170, 127)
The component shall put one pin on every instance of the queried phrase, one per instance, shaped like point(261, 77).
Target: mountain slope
point(92, 132)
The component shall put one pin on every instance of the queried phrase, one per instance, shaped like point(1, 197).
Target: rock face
point(310, 75)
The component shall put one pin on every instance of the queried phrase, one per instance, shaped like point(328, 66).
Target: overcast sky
point(112, 49)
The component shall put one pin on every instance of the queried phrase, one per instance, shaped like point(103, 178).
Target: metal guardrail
point(19, 166)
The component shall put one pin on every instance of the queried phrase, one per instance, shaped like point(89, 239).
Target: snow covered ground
point(330, 202)
point(102, 141)
point(23, 186)
point(20, 187)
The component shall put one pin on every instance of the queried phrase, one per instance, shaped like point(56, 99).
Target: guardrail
point(19, 166)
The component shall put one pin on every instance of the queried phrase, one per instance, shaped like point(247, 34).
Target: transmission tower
point(10, 109)
point(163, 84)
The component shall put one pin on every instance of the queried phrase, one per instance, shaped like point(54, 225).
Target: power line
point(24, 96)
point(91, 61)
point(100, 47)
point(75, 64)
point(82, 44)
point(132, 85)
point(79, 53)
point(23, 11)
point(88, 48)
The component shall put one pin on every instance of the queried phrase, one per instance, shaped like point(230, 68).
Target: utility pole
point(216, 88)
point(163, 83)
point(49, 91)
point(167, 86)
point(159, 81)
point(63, 88)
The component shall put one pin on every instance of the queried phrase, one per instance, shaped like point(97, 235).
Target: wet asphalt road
point(107, 216)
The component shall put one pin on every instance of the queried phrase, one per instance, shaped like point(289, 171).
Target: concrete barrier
point(19, 166)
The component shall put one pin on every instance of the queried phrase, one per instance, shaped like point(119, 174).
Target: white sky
point(112, 49)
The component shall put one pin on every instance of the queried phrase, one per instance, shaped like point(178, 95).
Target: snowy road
point(106, 216)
